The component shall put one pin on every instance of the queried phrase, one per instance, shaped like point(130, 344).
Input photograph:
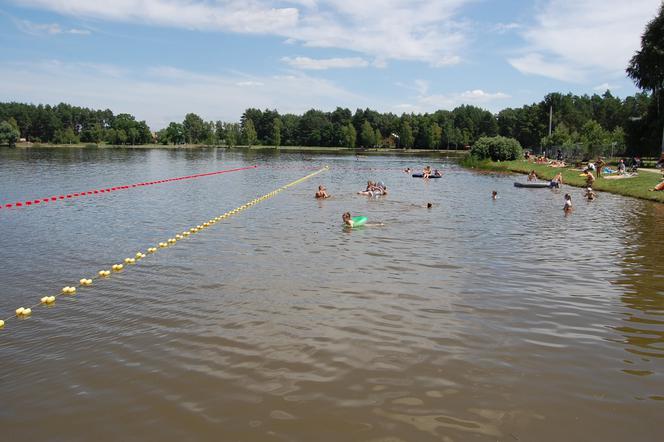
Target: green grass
point(636, 187)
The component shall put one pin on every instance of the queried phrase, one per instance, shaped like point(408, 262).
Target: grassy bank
point(636, 187)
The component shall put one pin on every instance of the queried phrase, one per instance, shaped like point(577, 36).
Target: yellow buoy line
point(49, 301)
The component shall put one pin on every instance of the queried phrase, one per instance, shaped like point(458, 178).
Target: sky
point(161, 59)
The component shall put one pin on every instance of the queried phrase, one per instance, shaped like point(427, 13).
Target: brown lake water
point(473, 320)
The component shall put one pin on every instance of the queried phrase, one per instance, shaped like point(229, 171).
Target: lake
point(473, 320)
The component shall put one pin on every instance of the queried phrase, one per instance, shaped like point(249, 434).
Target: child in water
point(567, 208)
point(348, 221)
point(590, 195)
point(494, 195)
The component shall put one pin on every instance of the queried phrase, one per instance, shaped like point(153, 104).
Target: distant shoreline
point(285, 149)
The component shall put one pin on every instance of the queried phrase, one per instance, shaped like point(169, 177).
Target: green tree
point(249, 132)
point(276, 132)
point(594, 138)
point(195, 129)
point(175, 133)
point(378, 138)
point(121, 136)
point(349, 135)
point(646, 67)
point(9, 135)
point(497, 148)
point(232, 134)
point(367, 135)
point(65, 136)
point(434, 135)
point(406, 138)
point(560, 137)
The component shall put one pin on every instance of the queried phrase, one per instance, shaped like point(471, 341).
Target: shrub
point(497, 148)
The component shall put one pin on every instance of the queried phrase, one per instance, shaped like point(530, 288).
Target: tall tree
point(406, 138)
point(276, 132)
point(249, 132)
point(646, 67)
point(349, 135)
point(367, 135)
point(8, 134)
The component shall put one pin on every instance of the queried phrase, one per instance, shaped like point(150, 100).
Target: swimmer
point(348, 221)
point(532, 176)
point(567, 208)
point(407, 170)
point(590, 195)
point(429, 205)
point(322, 193)
point(437, 173)
point(494, 195)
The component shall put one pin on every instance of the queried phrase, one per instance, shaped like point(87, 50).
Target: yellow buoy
point(27, 312)
point(19, 311)
point(51, 299)
point(2, 323)
point(44, 300)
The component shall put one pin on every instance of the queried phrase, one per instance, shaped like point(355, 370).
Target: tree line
point(595, 122)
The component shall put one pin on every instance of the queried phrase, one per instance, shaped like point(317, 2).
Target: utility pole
point(551, 120)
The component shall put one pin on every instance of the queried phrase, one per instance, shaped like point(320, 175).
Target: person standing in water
point(567, 208)
point(494, 195)
point(322, 193)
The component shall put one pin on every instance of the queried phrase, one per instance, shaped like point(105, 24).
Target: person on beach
point(590, 179)
point(567, 208)
point(658, 187)
point(532, 176)
point(600, 166)
point(494, 195)
point(322, 193)
point(621, 167)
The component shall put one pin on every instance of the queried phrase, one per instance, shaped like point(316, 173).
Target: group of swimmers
point(426, 172)
point(374, 189)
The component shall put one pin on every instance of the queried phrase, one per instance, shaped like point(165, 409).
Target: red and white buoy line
point(106, 190)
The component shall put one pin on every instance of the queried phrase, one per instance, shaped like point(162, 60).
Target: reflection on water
point(475, 319)
point(643, 293)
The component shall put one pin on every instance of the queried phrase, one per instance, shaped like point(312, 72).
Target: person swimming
point(322, 193)
point(494, 195)
point(429, 205)
point(348, 221)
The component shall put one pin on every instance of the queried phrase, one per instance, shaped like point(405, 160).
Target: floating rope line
point(49, 301)
point(116, 188)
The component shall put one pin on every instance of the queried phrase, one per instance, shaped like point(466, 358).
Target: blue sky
point(160, 59)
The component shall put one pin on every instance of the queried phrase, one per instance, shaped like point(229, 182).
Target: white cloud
point(325, 63)
point(606, 87)
point(502, 28)
point(574, 40)
point(427, 102)
point(39, 29)
point(421, 30)
point(534, 63)
point(162, 94)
